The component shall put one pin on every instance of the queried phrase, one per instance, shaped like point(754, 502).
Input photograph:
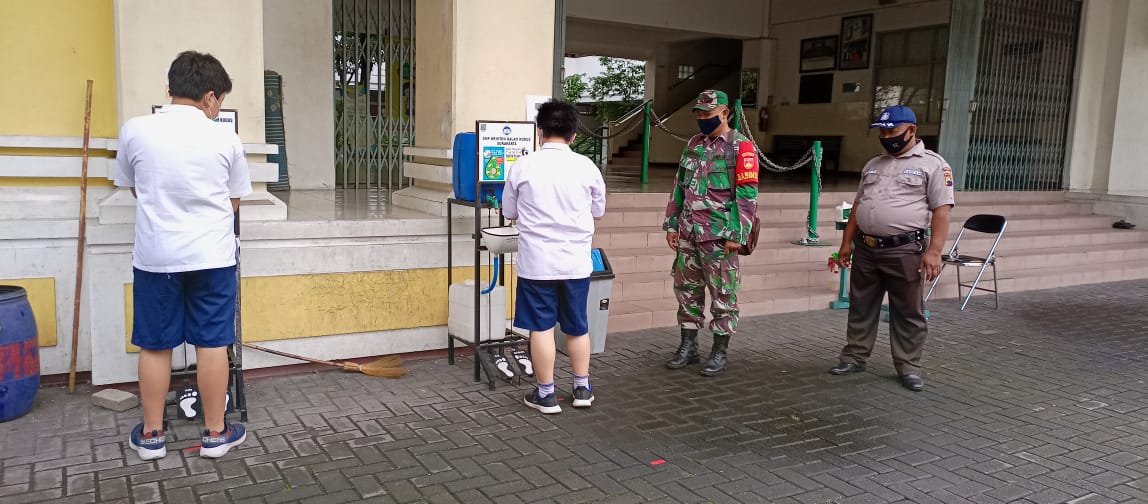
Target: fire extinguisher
point(763, 119)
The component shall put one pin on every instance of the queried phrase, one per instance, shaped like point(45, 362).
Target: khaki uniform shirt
point(898, 194)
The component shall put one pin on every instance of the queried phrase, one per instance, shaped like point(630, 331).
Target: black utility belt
point(880, 242)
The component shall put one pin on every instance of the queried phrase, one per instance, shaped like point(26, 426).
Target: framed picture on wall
point(856, 39)
point(819, 54)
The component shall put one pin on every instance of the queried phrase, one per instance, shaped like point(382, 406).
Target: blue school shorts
point(197, 307)
point(541, 304)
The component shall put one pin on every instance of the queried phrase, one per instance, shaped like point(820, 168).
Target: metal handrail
point(641, 107)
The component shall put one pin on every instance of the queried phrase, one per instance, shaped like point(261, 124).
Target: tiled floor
point(1043, 401)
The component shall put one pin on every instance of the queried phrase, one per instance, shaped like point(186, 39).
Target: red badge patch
point(746, 171)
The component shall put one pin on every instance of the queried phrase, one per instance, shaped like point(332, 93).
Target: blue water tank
point(464, 169)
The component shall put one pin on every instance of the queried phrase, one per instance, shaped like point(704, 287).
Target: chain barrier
point(625, 131)
point(743, 127)
point(810, 232)
point(660, 123)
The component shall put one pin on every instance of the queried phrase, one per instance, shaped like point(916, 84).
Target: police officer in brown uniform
point(887, 242)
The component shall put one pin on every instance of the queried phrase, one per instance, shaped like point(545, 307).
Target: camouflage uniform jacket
point(703, 206)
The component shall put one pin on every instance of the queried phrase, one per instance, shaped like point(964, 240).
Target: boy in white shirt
point(555, 195)
point(188, 173)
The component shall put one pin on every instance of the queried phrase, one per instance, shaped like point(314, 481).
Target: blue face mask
point(708, 125)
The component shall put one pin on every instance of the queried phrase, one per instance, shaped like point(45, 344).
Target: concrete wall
point(730, 18)
point(297, 45)
point(434, 72)
point(494, 72)
point(48, 49)
point(1129, 148)
point(849, 113)
point(147, 40)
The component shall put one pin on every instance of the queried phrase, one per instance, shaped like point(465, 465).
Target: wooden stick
point(80, 239)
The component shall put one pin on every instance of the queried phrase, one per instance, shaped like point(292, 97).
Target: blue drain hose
point(493, 277)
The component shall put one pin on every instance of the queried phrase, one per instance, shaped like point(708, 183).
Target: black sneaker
point(547, 405)
point(583, 397)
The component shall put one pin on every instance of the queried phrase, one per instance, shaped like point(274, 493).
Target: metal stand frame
point(482, 359)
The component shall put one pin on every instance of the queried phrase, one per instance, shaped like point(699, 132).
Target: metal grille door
point(1022, 95)
point(374, 91)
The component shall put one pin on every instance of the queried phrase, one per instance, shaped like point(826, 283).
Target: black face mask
point(708, 125)
point(895, 144)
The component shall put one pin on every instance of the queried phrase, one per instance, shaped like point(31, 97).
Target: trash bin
point(597, 304)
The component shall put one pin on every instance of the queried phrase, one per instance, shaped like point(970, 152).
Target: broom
point(390, 366)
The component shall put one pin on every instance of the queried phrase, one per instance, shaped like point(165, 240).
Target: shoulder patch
point(747, 167)
point(948, 173)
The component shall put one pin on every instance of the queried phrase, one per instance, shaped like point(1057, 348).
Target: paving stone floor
point(1043, 401)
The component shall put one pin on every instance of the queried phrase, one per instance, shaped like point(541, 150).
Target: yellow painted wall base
point(42, 297)
point(301, 306)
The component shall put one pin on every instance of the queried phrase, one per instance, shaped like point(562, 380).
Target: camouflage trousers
point(699, 266)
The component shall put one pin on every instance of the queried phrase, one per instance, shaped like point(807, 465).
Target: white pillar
point(476, 59)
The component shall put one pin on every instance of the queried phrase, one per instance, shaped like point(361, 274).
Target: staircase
point(629, 154)
point(1050, 242)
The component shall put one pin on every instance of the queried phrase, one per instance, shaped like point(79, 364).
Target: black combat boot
point(687, 352)
point(716, 364)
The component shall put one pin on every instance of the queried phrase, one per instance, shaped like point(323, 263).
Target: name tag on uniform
point(918, 173)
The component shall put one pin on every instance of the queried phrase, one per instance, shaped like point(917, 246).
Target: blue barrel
point(19, 354)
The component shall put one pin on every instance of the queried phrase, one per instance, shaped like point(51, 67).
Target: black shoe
point(687, 352)
point(583, 397)
point(846, 368)
point(913, 382)
point(717, 362)
point(547, 405)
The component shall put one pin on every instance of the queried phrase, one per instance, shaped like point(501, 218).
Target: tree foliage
point(574, 87)
point(619, 88)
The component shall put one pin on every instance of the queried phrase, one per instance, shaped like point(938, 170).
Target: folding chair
point(981, 223)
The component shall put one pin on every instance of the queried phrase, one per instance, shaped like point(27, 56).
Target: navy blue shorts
point(194, 306)
point(541, 304)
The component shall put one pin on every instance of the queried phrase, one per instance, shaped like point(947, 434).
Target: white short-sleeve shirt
point(555, 194)
point(185, 169)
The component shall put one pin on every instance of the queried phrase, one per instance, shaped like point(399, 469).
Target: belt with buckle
point(880, 242)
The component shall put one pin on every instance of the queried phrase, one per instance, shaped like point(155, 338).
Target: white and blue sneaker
point(149, 446)
point(217, 444)
point(583, 397)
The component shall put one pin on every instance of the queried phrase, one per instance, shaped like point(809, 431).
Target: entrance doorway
point(1009, 92)
point(374, 59)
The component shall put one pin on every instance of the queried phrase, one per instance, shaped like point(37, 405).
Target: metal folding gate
point(1008, 93)
point(374, 56)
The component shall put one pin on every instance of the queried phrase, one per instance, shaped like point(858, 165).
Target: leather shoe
point(913, 382)
point(846, 368)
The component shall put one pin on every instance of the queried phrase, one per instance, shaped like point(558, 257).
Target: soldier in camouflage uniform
point(708, 219)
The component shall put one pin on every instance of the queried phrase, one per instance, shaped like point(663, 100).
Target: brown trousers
point(896, 271)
